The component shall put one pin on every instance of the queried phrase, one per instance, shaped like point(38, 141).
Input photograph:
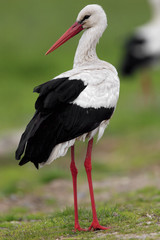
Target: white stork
point(142, 50)
point(75, 105)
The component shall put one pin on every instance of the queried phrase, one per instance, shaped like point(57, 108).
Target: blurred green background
point(131, 144)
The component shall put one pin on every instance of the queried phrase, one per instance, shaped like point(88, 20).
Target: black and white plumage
point(142, 50)
point(74, 105)
point(58, 121)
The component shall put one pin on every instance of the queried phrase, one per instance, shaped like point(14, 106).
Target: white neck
point(86, 50)
point(156, 11)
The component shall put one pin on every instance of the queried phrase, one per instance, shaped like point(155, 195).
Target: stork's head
point(91, 16)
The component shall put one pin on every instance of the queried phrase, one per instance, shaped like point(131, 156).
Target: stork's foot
point(96, 226)
point(78, 228)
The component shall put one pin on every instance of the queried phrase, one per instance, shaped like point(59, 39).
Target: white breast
point(102, 89)
point(102, 85)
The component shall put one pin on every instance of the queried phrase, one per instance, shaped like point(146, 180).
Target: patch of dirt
point(58, 194)
point(129, 236)
point(9, 141)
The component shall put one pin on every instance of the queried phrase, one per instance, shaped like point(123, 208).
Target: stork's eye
point(85, 17)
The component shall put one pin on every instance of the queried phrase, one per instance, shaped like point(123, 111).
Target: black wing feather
point(53, 95)
point(57, 120)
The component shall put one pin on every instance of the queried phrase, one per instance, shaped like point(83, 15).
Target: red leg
point(88, 166)
point(74, 172)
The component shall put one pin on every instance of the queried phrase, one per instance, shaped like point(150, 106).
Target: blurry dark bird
point(142, 50)
point(76, 105)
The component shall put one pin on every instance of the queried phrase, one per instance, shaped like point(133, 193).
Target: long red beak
point(71, 32)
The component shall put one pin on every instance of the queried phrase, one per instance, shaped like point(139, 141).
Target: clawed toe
point(78, 228)
point(96, 226)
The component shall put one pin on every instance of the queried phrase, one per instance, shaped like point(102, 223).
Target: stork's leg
point(74, 172)
point(147, 87)
point(88, 166)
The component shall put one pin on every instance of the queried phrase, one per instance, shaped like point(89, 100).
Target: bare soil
point(59, 192)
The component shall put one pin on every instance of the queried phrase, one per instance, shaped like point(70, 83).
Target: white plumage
point(143, 47)
point(151, 32)
point(102, 85)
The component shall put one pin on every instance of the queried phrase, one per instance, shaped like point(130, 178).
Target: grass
point(16, 180)
point(130, 214)
point(134, 214)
